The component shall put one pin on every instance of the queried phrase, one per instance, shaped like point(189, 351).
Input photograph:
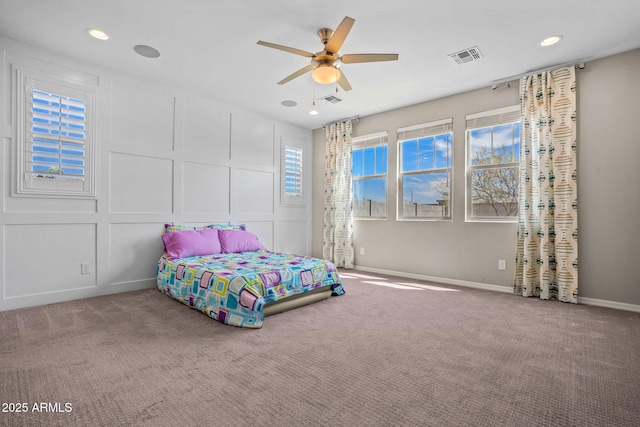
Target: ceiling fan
point(326, 63)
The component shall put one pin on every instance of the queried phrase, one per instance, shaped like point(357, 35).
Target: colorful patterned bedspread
point(233, 287)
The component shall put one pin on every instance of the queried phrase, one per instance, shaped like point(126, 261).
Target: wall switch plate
point(502, 264)
point(85, 268)
point(361, 251)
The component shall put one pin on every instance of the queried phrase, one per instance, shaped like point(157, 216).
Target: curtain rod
point(356, 118)
point(580, 65)
point(496, 83)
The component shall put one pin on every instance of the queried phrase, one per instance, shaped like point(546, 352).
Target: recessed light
point(289, 103)
point(98, 34)
point(313, 112)
point(550, 41)
point(146, 51)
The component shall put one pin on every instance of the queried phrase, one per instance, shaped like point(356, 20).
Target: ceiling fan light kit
point(325, 74)
point(324, 64)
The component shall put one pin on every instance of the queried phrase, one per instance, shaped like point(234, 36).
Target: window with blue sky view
point(493, 171)
point(425, 176)
point(369, 168)
point(57, 135)
point(369, 175)
point(293, 171)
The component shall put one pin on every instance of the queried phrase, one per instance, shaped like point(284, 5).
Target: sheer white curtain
point(547, 250)
point(338, 196)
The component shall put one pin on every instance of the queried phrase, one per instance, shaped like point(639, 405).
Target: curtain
point(547, 236)
point(338, 196)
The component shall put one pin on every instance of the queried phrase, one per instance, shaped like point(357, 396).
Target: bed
point(236, 280)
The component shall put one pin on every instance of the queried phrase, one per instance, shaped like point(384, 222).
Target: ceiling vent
point(331, 99)
point(467, 55)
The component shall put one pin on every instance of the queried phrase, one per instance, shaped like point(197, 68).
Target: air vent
point(467, 55)
point(331, 99)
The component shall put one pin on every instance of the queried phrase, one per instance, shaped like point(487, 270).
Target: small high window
point(291, 172)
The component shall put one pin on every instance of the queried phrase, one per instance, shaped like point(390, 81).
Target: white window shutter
point(56, 136)
point(293, 171)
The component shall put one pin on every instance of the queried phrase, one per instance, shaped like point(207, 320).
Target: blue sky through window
point(370, 162)
point(425, 188)
point(370, 189)
point(433, 156)
point(494, 155)
point(503, 141)
point(58, 125)
point(432, 152)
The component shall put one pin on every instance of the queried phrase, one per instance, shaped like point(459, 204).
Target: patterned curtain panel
point(547, 250)
point(338, 197)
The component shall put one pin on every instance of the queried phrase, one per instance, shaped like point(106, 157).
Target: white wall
point(608, 185)
point(163, 156)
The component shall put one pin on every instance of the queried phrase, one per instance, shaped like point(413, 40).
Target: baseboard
point(54, 297)
point(609, 304)
point(443, 280)
point(581, 300)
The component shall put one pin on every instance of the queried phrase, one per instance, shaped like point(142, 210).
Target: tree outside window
point(493, 172)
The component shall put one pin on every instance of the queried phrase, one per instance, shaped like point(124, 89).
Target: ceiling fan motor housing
point(325, 34)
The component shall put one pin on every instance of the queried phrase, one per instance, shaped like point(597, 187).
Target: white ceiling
point(209, 46)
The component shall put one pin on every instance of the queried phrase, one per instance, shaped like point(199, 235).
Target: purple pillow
point(186, 243)
point(239, 241)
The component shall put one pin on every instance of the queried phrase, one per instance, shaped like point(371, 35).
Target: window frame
point(482, 120)
point(286, 198)
point(26, 182)
point(372, 140)
point(417, 132)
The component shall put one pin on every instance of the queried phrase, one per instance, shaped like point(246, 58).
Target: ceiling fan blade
point(339, 35)
point(343, 82)
point(297, 74)
point(287, 49)
point(368, 57)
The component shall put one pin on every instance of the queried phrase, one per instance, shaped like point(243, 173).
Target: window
point(493, 154)
point(292, 173)
point(55, 138)
point(424, 178)
point(56, 135)
point(369, 164)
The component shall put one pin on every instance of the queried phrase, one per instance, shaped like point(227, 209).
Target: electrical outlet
point(85, 268)
point(502, 264)
point(361, 251)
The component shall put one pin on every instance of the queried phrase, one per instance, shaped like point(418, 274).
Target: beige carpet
point(377, 356)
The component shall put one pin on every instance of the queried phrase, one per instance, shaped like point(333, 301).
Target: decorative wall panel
point(134, 251)
point(141, 117)
point(254, 192)
point(207, 130)
point(205, 188)
point(140, 184)
point(46, 258)
point(252, 139)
